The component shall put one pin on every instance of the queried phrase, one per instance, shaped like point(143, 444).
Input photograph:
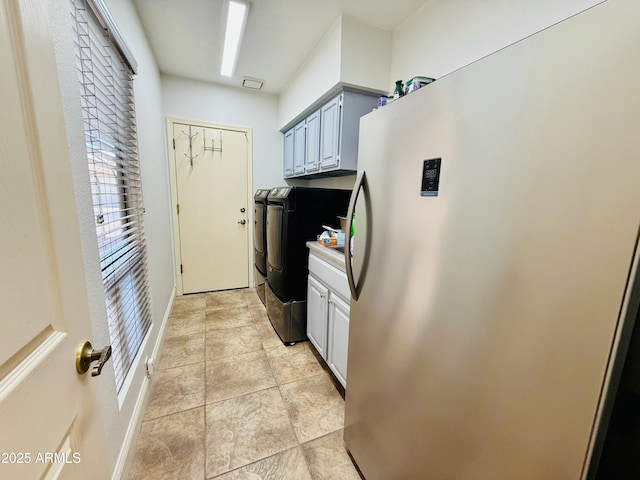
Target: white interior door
point(49, 423)
point(211, 168)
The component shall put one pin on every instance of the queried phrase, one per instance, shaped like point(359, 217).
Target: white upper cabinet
point(330, 135)
point(312, 159)
point(287, 169)
point(299, 147)
point(325, 141)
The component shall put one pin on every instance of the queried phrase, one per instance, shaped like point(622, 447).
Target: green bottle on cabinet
point(399, 90)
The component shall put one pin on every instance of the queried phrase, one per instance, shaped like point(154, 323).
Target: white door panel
point(48, 412)
point(211, 190)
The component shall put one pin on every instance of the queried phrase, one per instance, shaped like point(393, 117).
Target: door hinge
point(178, 208)
point(174, 143)
point(180, 268)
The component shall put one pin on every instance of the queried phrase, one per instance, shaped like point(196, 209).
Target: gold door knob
point(86, 355)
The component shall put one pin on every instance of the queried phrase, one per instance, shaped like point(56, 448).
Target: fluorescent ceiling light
point(236, 19)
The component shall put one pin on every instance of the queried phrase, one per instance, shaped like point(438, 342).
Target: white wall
point(317, 75)
point(350, 53)
point(118, 416)
point(221, 105)
point(344, 182)
point(444, 35)
point(365, 55)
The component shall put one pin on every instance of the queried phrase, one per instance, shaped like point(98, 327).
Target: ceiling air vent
point(252, 83)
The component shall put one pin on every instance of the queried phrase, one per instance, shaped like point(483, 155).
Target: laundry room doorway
point(211, 185)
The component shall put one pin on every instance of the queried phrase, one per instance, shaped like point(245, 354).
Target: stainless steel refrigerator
point(497, 215)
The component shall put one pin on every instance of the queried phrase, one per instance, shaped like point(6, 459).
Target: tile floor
point(231, 402)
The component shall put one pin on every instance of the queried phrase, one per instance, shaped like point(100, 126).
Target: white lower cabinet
point(317, 295)
point(338, 341)
point(328, 315)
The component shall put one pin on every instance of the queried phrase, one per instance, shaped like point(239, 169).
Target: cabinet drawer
point(332, 277)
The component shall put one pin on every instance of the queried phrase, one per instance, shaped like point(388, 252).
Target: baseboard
point(124, 458)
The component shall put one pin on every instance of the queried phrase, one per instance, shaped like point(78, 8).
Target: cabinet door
point(330, 133)
point(338, 338)
point(288, 154)
point(299, 148)
point(317, 298)
point(312, 161)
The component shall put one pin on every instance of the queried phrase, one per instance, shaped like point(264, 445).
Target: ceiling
point(186, 36)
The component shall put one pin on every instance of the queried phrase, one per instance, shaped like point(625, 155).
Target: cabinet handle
point(330, 302)
point(322, 295)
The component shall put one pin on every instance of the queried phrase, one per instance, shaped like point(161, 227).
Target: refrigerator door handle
point(361, 184)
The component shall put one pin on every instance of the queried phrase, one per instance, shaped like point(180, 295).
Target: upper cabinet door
point(299, 147)
point(325, 142)
point(330, 134)
point(288, 154)
point(312, 163)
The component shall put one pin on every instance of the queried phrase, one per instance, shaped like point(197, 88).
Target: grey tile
point(268, 335)
point(188, 323)
point(314, 405)
point(293, 363)
point(170, 447)
point(248, 429)
point(327, 458)
point(225, 299)
point(259, 314)
point(288, 465)
point(232, 341)
point(228, 318)
point(179, 351)
point(234, 376)
point(176, 390)
point(187, 304)
point(245, 429)
point(252, 298)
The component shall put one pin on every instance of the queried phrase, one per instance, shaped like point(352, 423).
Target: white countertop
point(328, 254)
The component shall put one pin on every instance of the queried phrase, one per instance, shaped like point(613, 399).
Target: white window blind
point(106, 79)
